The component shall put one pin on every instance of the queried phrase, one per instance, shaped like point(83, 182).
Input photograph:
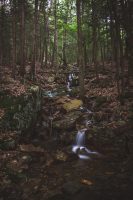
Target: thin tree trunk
point(35, 41)
point(22, 29)
point(95, 31)
point(80, 48)
point(64, 37)
point(14, 37)
point(55, 45)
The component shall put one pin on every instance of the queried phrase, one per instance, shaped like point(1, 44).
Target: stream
point(60, 161)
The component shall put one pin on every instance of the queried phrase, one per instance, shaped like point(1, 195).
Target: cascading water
point(80, 145)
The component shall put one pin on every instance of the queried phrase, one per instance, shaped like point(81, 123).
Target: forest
point(66, 99)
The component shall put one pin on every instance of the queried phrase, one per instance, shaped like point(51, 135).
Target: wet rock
point(72, 188)
point(68, 122)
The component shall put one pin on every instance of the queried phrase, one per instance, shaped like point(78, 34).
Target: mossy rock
point(68, 122)
point(8, 144)
point(21, 110)
point(72, 105)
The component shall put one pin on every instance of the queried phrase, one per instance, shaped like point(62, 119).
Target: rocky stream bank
point(37, 133)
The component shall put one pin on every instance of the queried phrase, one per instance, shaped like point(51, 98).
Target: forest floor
point(42, 165)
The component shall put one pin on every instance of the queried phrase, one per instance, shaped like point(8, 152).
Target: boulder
point(72, 188)
point(72, 105)
point(9, 144)
point(68, 122)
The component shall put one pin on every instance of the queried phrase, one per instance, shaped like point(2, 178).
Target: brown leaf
point(30, 148)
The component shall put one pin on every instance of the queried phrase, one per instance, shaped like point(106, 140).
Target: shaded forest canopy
point(46, 32)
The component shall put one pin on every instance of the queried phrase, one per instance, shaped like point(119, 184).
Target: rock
point(68, 122)
point(56, 196)
point(8, 144)
point(26, 159)
point(72, 105)
point(72, 188)
point(21, 110)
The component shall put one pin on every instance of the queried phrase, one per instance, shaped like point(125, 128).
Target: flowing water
point(80, 146)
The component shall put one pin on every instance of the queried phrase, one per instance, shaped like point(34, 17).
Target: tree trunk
point(35, 41)
point(14, 37)
point(55, 45)
point(64, 36)
point(80, 48)
point(95, 36)
point(22, 42)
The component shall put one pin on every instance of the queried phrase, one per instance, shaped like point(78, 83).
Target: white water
point(80, 145)
point(68, 87)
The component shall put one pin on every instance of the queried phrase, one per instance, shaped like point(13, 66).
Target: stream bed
point(47, 163)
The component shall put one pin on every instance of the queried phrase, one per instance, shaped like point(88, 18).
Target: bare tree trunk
point(55, 45)
point(14, 37)
point(80, 48)
point(45, 38)
point(101, 48)
point(64, 37)
point(112, 34)
point(127, 8)
point(117, 49)
point(22, 32)
point(64, 49)
point(2, 25)
point(35, 41)
point(95, 36)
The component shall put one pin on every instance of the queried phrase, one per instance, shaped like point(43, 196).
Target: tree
point(55, 44)
point(35, 40)
point(22, 36)
point(14, 35)
point(80, 48)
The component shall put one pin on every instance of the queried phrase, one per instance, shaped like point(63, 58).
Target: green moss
point(20, 111)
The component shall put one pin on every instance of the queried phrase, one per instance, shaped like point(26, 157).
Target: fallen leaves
point(61, 156)
point(30, 148)
point(2, 113)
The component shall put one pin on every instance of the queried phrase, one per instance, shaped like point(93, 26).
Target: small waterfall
point(80, 145)
point(80, 138)
point(68, 86)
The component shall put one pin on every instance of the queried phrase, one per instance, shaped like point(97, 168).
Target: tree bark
point(80, 48)
point(95, 36)
point(14, 37)
point(35, 41)
point(55, 45)
point(22, 36)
